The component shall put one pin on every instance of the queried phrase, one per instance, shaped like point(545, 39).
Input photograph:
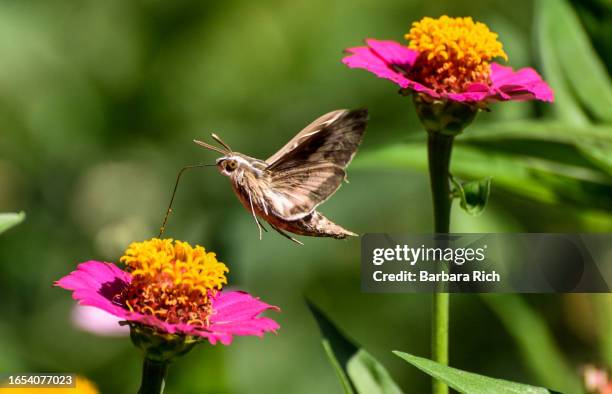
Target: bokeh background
point(99, 102)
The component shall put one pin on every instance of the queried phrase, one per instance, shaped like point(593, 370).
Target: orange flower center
point(172, 280)
point(455, 52)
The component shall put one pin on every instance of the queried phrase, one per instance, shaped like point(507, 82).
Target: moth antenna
point(211, 147)
point(219, 140)
point(178, 178)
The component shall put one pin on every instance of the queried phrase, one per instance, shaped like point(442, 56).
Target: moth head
point(227, 165)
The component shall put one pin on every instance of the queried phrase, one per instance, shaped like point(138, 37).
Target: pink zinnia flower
point(171, 288)
point(449, 59)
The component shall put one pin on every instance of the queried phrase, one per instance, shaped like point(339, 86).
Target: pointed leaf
point(599, 152)
point(473, 195)
point(8, 220)
point(566, 106)
point(581, 65)
point(338, 349)
point(603, 307)
point(357, 370)
point(468, 382)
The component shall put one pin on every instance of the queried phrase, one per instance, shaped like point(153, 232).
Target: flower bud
point(443, 116)
point(158, 346)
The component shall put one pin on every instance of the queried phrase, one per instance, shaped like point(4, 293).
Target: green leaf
point(545, 179)
point(599, 152)
point(593, 142)
point(473, 195)
point(468, 382)
point(8, 220)
point(535, 341)
point(357, 370)
point(603, 319)
point(338, 349)
point(548, 131)
point(580, 63)
point(565, 106)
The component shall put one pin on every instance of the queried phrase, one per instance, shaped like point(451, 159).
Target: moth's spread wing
point(316, 127)
point(334, 137)
point(311, 167)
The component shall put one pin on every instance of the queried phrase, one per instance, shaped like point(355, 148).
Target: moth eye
point(231, 165)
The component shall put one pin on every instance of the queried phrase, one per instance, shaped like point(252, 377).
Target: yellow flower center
point(172, 280)
point(454, 52)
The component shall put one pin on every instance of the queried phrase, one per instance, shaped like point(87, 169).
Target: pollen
point(454, 52)
point(172, 280)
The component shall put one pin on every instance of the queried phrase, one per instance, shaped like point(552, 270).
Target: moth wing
point(311, 167)
point(313, 128)
point(296, 192)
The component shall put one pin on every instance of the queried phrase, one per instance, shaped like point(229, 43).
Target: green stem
point(153, 377)
point(439, 154)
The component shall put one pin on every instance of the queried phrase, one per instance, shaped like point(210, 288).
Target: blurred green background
point(99, 102)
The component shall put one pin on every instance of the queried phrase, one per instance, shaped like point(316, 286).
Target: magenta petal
point(237, 313)
point(393, 53)
point(386, 59)
point(364, 57)
point(96, 284)
point(523, 84)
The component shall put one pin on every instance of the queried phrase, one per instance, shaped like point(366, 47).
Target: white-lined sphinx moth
point(286, 189)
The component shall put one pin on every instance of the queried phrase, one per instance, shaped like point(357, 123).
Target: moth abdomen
point(314, 224)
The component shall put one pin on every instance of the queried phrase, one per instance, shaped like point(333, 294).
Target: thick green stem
point(153, 377)
point(439, 154)
point(439, 147)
